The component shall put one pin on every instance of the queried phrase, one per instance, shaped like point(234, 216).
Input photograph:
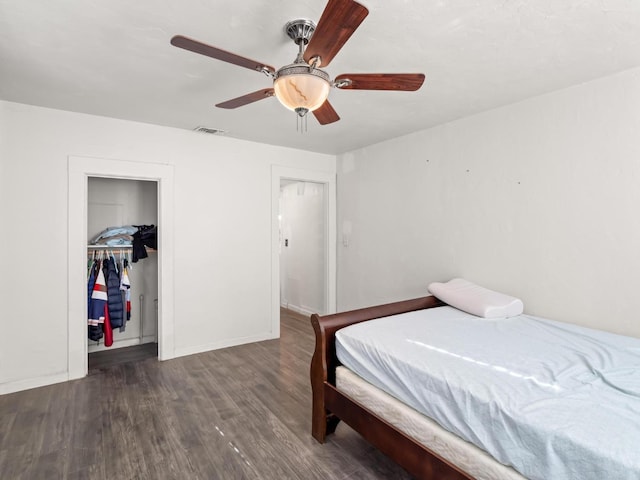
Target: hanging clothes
point(108, 281)
point(93, 271)
point(145, 236)
point(125, 286)
point(97, 306)
point(114, 295)
point(108, 331)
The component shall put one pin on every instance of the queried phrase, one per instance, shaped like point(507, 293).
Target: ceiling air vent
point(211, 131)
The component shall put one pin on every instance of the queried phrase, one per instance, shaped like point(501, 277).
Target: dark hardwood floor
point(235, 413)
point(108, 358)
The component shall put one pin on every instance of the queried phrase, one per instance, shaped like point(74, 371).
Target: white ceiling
point(113, 58)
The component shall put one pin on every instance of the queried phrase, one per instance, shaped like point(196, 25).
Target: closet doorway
point(115, 205)
point(295, 284)
point(81, 169)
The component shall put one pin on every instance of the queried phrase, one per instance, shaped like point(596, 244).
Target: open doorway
point(303, 247)
point(303, 242)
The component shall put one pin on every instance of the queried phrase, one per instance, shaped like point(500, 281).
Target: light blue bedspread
point(555, 401)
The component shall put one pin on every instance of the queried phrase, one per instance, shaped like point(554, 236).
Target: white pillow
point(477, 300)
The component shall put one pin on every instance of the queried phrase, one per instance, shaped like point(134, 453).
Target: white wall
point(303, 257)
point(222, 240)
point(539, 199)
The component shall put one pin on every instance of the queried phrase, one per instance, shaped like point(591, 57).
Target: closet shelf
point(116, 247)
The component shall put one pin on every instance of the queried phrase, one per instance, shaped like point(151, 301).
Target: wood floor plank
point(7, 420)
point(236, 413)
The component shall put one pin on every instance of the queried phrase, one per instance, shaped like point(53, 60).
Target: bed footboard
point(330, 406)
point(324, 361)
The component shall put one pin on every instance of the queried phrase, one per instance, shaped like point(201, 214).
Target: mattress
point(445, 444)
point(552, 400)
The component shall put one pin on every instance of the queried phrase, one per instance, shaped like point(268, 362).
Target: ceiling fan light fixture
point(298, 87)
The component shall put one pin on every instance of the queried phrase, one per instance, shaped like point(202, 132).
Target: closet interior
point(129, 206)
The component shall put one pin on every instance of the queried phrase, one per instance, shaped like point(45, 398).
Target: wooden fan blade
point(338, 22)
point(248, 98)
point(380, 81)
point(218, 54)
point(325, 114)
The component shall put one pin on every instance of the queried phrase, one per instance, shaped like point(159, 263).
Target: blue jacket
point(114, 294)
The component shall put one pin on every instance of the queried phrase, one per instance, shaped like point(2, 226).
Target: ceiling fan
point(302, 86)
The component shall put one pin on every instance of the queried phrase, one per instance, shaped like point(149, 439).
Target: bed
point(593, 432)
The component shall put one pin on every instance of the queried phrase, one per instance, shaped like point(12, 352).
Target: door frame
point(279, 173)
point(80, 169)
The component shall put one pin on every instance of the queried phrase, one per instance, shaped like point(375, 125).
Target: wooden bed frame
point(330, 405)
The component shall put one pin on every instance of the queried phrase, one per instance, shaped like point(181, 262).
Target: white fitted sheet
point(466, 456)
point(553, 400)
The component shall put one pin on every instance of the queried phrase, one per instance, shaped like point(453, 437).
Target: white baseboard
point(19, 385)
point(182, 352)
point(301, 310)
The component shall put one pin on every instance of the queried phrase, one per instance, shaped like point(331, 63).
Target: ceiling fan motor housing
point(300, 30)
